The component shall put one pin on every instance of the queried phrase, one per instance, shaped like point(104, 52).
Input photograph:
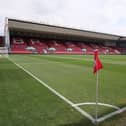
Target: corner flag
point(97, 67)
point(98, 64)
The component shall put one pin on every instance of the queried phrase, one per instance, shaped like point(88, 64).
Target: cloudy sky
point(107, 16)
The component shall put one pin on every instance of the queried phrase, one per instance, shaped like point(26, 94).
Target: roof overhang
point(27, 26)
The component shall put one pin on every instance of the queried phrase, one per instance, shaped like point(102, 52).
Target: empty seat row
point(32, 45)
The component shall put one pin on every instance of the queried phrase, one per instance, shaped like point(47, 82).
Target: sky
point(107, 16)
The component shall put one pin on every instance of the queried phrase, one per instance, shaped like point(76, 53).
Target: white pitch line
point(111, 114)
point(93, 103)
point(84, 113)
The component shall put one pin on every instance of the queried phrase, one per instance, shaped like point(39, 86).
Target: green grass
point(26, 102)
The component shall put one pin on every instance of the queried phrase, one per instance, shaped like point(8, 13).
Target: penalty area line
point(77, 108)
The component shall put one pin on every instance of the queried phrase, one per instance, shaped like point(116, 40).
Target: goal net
point(4, 51)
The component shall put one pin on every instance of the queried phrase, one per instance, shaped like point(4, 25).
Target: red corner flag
point(97, 62)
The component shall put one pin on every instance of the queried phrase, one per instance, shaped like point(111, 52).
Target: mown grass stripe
point(84, 113)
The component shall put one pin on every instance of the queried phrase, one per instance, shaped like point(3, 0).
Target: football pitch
point(59, 90)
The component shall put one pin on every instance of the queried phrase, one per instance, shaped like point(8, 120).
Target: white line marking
point(56, 93)
point(93, 103)
point(111, 114)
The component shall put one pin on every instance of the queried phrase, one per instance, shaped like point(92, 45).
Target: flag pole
point(97, 67)
point(96, 111)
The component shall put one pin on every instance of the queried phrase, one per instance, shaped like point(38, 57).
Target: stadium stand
point(27, 37)
point(40, 46)
point(18, 46)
